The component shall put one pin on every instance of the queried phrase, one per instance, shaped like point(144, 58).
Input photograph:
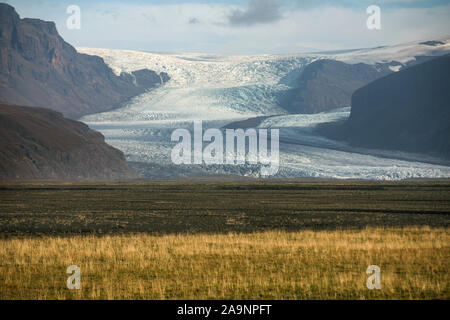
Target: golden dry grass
point(268, 265)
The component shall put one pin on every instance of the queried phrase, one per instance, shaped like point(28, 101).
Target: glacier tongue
point(206, 87)
point(219, 89)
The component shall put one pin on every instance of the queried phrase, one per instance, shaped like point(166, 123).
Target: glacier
point(221, 89)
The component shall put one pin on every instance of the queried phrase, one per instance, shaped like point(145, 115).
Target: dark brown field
point(171, 207)
point(228, 240)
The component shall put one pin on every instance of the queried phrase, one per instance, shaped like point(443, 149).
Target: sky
point(242, 27)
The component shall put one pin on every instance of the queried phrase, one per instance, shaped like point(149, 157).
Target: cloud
point(166, 28)
point(193, 20)
point(258, 12)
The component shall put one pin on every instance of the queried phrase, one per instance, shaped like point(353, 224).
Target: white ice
point(219, 89)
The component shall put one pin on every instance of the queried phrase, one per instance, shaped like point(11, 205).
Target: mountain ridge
point(327, 84)
point(40, 144)
point(38, 68)
point(408, 110)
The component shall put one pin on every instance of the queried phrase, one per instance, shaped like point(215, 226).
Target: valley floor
point(219, 207)
point(269, 265)
point(228, 240)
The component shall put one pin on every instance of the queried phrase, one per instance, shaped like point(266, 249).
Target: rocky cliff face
point(408, 110)
point(37, 143)
point(38, 68)
point(328, 84)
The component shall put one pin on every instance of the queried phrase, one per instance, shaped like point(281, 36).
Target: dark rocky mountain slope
point(326, 84)
point(38, 143)
point(38, 68)
point(408, 110)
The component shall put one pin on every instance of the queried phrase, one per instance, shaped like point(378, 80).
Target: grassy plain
point(278, 240)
